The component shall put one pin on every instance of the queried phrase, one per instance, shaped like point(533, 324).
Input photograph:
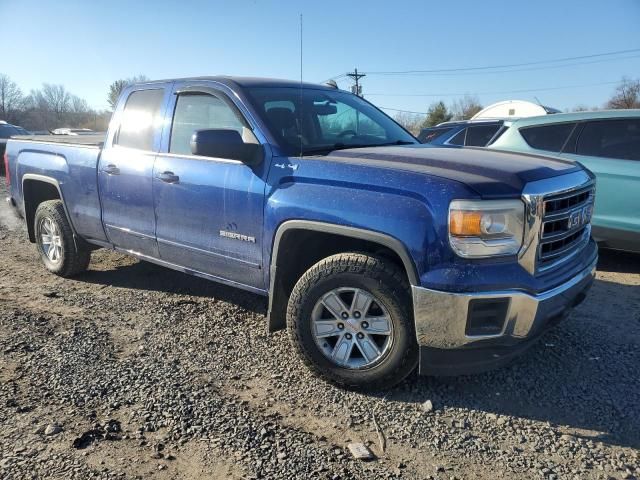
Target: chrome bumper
point(442, 318)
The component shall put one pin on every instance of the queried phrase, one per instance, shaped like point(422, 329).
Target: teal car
point(608, 144)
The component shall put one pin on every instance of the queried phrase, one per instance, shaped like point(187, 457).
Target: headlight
point(486, 228)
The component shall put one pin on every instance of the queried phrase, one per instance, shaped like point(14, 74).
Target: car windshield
point(315, 121)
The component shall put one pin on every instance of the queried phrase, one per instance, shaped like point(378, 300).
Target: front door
point(125, 172)
point(208, 210)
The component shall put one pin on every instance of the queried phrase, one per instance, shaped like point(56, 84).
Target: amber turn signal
point(465, 223)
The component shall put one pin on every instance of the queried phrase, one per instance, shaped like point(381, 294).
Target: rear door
point(209, 210)
point(611, 150)
point(125, 170)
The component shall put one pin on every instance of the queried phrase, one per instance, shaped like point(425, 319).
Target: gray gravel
point(134, 371)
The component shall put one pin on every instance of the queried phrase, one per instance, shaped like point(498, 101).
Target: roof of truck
point(246, 82)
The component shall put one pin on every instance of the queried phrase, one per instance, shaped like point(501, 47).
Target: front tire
point(54, 237)
point(350, 320)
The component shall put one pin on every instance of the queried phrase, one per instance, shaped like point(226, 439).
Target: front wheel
point(350, 320)
point(54, 237)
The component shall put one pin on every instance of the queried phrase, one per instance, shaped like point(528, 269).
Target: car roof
point(248, 82)
point(575, 117)
point(457, 123)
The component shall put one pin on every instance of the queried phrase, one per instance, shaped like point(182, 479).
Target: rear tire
point(58, 249)
point(350, 320)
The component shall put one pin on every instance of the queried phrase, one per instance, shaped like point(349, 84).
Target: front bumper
point(461, 333)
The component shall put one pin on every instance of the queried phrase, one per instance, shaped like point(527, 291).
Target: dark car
point(465, 133)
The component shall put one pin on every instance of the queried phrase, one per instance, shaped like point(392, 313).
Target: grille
point(566, 226)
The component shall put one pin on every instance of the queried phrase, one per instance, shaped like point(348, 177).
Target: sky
point(86, 45)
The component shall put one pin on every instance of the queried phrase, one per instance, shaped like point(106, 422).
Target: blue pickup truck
point(378, 254)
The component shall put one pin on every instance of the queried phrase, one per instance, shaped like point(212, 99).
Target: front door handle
point(168, 177)
point(111, 169)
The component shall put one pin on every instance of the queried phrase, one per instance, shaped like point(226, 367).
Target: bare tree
point(11, 98)
point(627, 94)
point(465, 108)
point(57, 98)
point(115, 89)
point(79, 105)
point(410, 121)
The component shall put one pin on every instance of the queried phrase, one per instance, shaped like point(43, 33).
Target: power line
point(402, 111)
point(544, 89)
point(500, 68)
point(512, 65)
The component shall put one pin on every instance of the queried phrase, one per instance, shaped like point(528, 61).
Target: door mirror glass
point(225, 143)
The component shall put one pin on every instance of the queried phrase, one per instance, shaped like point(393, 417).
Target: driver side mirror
point(225, 143)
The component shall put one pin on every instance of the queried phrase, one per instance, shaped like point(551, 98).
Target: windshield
point(312, 122)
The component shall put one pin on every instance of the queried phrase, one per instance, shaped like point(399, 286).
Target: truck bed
point(96, 140)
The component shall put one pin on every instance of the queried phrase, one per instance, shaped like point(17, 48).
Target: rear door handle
point(168, 177)
point(111, 169)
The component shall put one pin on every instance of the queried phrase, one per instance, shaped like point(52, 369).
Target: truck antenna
point(300, 106)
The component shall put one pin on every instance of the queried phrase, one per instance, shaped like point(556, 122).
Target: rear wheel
point(349, 318)
point(56, 245)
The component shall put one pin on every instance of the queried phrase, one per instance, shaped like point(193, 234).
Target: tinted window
point(199, 112)
point(458, 139)
point(547, 137)
point(314, 121)
point(499, 134)
point(480, 135)
point(140, 117)
point(7, 130)
point(611, 139)
point(428, 135)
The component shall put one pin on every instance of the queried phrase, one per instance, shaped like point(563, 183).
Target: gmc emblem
point(579, 217)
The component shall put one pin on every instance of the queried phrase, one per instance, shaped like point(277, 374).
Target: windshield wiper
point(345, 146)
point(397, 142)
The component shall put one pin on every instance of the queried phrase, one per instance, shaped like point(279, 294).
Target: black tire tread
point(76, 258)
point(365, 264)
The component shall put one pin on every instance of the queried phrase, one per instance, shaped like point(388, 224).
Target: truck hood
point(491, 173)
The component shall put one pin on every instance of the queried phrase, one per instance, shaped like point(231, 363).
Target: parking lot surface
point(135, 371)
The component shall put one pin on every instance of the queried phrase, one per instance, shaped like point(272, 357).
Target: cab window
point(140, 118)
point(199, 111)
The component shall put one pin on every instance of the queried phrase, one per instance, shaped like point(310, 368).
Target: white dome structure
point(513, 109)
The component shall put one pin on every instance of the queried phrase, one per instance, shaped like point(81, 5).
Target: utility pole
point(357, 89)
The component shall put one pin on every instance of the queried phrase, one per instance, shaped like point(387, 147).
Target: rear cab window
point(548, 137)
point(140, 119)
point(618, 139)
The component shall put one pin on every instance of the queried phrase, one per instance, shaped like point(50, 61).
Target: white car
point(72, 131)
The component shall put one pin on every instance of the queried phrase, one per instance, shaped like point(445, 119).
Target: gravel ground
point(135, 371)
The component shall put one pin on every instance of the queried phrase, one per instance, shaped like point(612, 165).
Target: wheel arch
point(35, 190)
point(309, 242)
